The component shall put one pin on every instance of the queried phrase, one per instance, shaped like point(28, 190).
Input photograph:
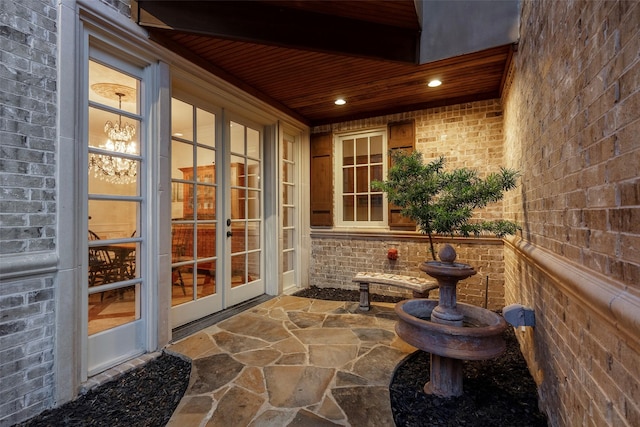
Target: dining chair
point(179, 241)
point(101, 268)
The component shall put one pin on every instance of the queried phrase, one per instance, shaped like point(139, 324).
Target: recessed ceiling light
point(434, 83)
point(178, 134)
point(340, 101)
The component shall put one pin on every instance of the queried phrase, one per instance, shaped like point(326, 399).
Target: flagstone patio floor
point(293, 361)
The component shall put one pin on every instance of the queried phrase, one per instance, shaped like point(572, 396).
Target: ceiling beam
point(275, 24)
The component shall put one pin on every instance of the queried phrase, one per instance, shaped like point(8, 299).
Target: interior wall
point(572, 120)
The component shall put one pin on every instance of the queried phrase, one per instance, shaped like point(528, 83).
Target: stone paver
point(293, 362)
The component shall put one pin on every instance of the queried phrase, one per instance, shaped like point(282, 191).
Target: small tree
point(443, 201)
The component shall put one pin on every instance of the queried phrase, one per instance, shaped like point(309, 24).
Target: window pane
point(288, 216)
point(287, 237)
point(238, 203)
point(376, 149)
point(111, 219)
point(237, 138)
point(253, 205)
point(253, 265)
point(362, 179)
point(253, 143)
point(181, 158)
point(238, 270)
point(253, 235)
point(181, 242)
point(253, 174)
point(206, 202)
point(347, 208)
point(287, 172)
point(112, 88)
point(206, 164)
point(376, 173)
point(103, 317)
point(347, 180)
point(362, 208)
point(206, 240)
point(347, 152)
point(100, 184)
point(287, 194)
point(206, 278)
point(287, 261)
point(206, 127)
point(181, 120)
point(237, 171)
point(237, 239)
point(376, 207)
point(362, 151)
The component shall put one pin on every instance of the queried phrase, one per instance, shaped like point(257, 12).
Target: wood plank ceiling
point(303, 68)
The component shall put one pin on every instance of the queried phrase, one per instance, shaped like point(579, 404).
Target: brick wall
point(28, 45)
point(468, 135)
point(27, 127)
point(572, 120)
point(337, 258)
point(26, 348)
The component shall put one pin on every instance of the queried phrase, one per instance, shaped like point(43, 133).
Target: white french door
point(216, 211)
point(116, 286)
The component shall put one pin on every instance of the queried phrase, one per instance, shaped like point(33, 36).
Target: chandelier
point(115, 169)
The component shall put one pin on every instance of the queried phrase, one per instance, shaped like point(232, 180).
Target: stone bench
point(420, 287)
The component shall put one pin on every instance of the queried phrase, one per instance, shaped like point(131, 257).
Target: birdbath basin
point(451, 332)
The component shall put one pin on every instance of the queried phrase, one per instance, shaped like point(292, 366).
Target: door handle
point(229, 233)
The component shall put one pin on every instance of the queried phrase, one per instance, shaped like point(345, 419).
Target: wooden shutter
point(401, 137)
point(321, 180)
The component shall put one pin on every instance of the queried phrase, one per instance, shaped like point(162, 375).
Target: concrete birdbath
point(451, 332)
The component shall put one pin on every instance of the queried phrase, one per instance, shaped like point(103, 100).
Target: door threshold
point(198, 325)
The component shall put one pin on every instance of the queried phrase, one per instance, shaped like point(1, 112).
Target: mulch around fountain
point(498, 392)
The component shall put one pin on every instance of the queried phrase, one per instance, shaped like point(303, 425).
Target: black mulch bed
point(497, 392)
point(143, 397)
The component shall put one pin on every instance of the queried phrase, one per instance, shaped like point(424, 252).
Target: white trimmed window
point(360, 159)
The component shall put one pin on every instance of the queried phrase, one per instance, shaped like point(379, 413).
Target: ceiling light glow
point(340, 101)
point(434, 83)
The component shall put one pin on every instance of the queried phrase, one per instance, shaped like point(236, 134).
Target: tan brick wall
point(467, 135)
point(335, 259)
point(572, 120)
